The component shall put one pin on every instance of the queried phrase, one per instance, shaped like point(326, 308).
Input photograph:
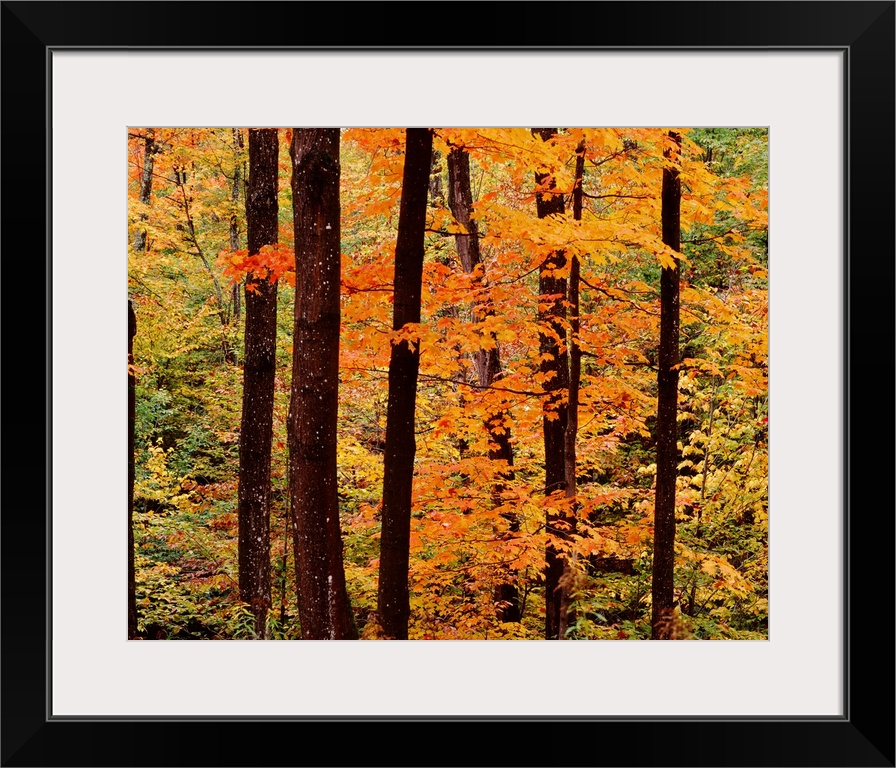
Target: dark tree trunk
point(132, 405)
point(393, 604)
point(555, 366)
point(667, 404)
point(324, 610)
point(256, 426)
point(487, 362)
point(234, 221)
point(145, 185)
point(575, 375)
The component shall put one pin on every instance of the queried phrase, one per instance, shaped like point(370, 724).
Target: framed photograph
point(817, 76)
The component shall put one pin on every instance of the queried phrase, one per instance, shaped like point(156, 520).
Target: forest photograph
point(448, 383)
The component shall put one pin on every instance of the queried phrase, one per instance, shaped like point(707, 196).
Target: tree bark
point(132, 405)
point(256, 426)
point(486, 361)
point(667, 403)
point(555, 366)
point(146, 185)
point(324, 610)
point(572, 420)
point(393, 603)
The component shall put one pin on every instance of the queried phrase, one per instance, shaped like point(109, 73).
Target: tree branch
point(628, 197)
point(617, 298)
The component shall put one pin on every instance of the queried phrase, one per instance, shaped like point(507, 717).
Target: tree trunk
point(234, 221)
point(487, 362)
point(132, 405)
point(256, 426)
point(435, 178)
point(393, 605)
point(192, 238)
point(324, 610)
point(667, 404)
point(145, 185)
point(572, 420)
point(555, 402)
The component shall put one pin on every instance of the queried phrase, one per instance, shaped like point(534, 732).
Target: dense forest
point(448, 383)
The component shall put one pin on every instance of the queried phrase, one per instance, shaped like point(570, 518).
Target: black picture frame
point(864, 31)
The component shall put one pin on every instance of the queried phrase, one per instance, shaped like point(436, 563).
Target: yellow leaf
point(666, 261)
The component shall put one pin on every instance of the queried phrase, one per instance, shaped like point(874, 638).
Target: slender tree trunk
point(145, 185)
point(256, 426)
point(698, 530)
point(572, 421)
point(667, 404)
point(435, 178)
point(487, 362)
point(712, 410)
point(324, 610)
point(393, 604)
point(180, 177)
point(553, 365)
point(234, 221)
point(132, 405)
